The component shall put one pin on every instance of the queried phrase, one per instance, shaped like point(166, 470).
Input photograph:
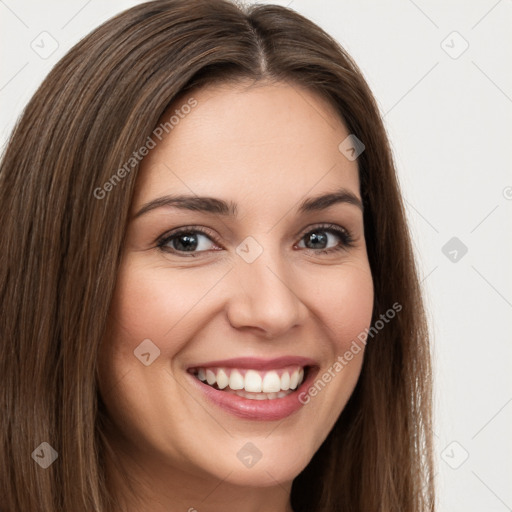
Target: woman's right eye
point(186, 241)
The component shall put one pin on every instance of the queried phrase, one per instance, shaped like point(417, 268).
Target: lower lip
point(263, 410)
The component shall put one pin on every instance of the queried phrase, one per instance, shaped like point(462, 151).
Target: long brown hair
point(61, 249)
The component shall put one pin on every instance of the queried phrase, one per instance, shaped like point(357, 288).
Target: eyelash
point(345, 236)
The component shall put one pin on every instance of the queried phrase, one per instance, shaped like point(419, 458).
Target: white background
point(450, 124)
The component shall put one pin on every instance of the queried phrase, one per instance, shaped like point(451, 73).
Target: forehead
point(266, 142)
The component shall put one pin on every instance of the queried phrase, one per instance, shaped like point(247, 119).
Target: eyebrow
point(229, 208)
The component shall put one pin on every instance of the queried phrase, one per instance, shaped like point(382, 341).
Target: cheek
point(343, 299)
point(344, 304)
point(149, 303)
point(152, 303)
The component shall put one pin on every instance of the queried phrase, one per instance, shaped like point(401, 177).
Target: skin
point(267, 148)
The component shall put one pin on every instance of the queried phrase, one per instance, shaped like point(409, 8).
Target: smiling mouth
point(253, 384)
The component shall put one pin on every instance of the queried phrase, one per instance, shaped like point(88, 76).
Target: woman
point(209, 296)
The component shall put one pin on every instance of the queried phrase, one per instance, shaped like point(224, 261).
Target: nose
point(263, 299)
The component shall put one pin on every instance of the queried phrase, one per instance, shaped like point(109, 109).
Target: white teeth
point(294, 379)
point(236, 380)
point(222, 379)
point(271, 383)
point(285, 381)
point(210, 377)
point(252, 381)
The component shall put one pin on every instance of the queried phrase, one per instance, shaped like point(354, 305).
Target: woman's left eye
point(321, 239)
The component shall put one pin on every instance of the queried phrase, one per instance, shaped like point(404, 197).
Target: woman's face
point(265, 282)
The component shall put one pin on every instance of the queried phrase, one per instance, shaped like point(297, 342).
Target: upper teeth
point(253, 380)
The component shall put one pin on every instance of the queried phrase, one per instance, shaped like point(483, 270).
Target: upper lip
point(256, 363)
